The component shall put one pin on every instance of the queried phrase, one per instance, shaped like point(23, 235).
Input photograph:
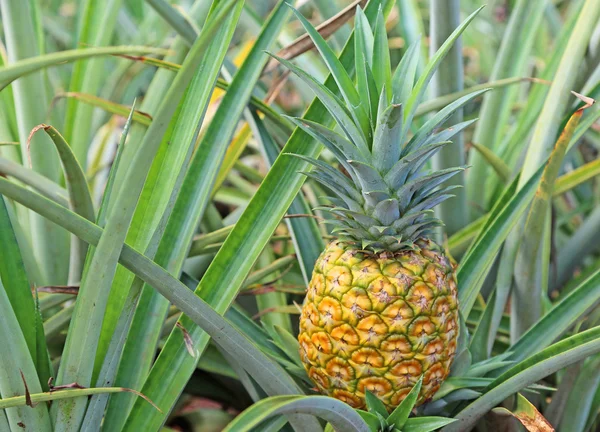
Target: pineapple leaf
point(404, 76)
point(329, 183)
point(370, 180)
point(343, 149)
point(374, 404)
point(333, 104)
point(423, 185)
point(386, 142)
point(419, 88)
point(438, 119)
point(413, 161)
point(399, 416)
point(446, 134)
point(433, 200)
point(426, 424)
point(343, 80)
point(370, 419)
point(387, 211)
point(382, 70)
point(373, 96)
point(361, 59)
point(321, 168)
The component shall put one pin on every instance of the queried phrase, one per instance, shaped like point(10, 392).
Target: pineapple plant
point(381, 308)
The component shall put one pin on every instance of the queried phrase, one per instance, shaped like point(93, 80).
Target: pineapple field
point(299, 215)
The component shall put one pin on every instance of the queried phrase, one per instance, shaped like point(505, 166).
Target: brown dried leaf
point(528, 415)
point(326, 29)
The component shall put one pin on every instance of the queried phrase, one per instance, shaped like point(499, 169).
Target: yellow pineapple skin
point(378, 321)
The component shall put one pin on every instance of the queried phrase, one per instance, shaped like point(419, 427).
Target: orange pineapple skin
point(378, 321)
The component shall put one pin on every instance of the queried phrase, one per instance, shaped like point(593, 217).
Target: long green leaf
point(511, 61)
point(79, 196)
point(528, 289)
point(267, 373)
point(476, 264)
point(536, 367)
point(445, 17)
point(189, 208)
point(28, 66)
point(42, 184)
point(97, 22)
point(80, 349)
point(50, 244)
point(558, 319)
point(17, 366)
point(157, 196)
point(340, 415)
point(548, 123)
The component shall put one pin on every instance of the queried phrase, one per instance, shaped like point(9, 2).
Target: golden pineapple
point(381, 309)
point(378, 321)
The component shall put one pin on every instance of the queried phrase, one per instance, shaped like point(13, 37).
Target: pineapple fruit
point(381, 310)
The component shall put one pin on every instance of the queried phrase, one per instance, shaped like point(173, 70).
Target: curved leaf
point(340, 415)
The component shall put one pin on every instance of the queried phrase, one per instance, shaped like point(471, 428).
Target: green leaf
point(370, 419)
point(375, 405)
point(110, 107)
point(14, 278)
point(306, 236)
point(340, 415)
point(558, 319)
point(267, 373)
point(579, 406)
point(17, 366)
point(42, 184)
point(399, 416)
point(96, 28)
point(386, 142)
point(382, 70)
point(547, 126)
point(475, 265)
point(404, 76)
point(79, 196)
point(426, 424)
point(31, 65)
point(82, 339)
point(512, 60)
point(357, 106)
point(419, 88)
point(499, 166)
point(528, 286)
point(24, 46)
point(536, 367)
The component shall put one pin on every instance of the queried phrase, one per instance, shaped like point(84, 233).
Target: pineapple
point(381, 309)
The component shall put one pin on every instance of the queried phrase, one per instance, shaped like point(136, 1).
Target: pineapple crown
point(386, 200)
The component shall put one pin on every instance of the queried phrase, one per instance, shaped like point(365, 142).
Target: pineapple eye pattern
point(381, 338)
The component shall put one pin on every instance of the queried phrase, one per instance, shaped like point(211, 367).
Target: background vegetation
point(142, 176)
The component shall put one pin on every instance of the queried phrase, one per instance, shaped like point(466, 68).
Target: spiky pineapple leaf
point(386, 142)
point(438, 119)
point(404, 76)
point(400, 415)
point(374, 404)
point(357, 107)
point(333, 104)
point(363, 40)
point(370, 419)
point(382, 71)
point(419, 89)
point(334, 142)
point(426, 424)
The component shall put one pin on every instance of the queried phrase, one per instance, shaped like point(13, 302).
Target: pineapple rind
point(378, 321)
